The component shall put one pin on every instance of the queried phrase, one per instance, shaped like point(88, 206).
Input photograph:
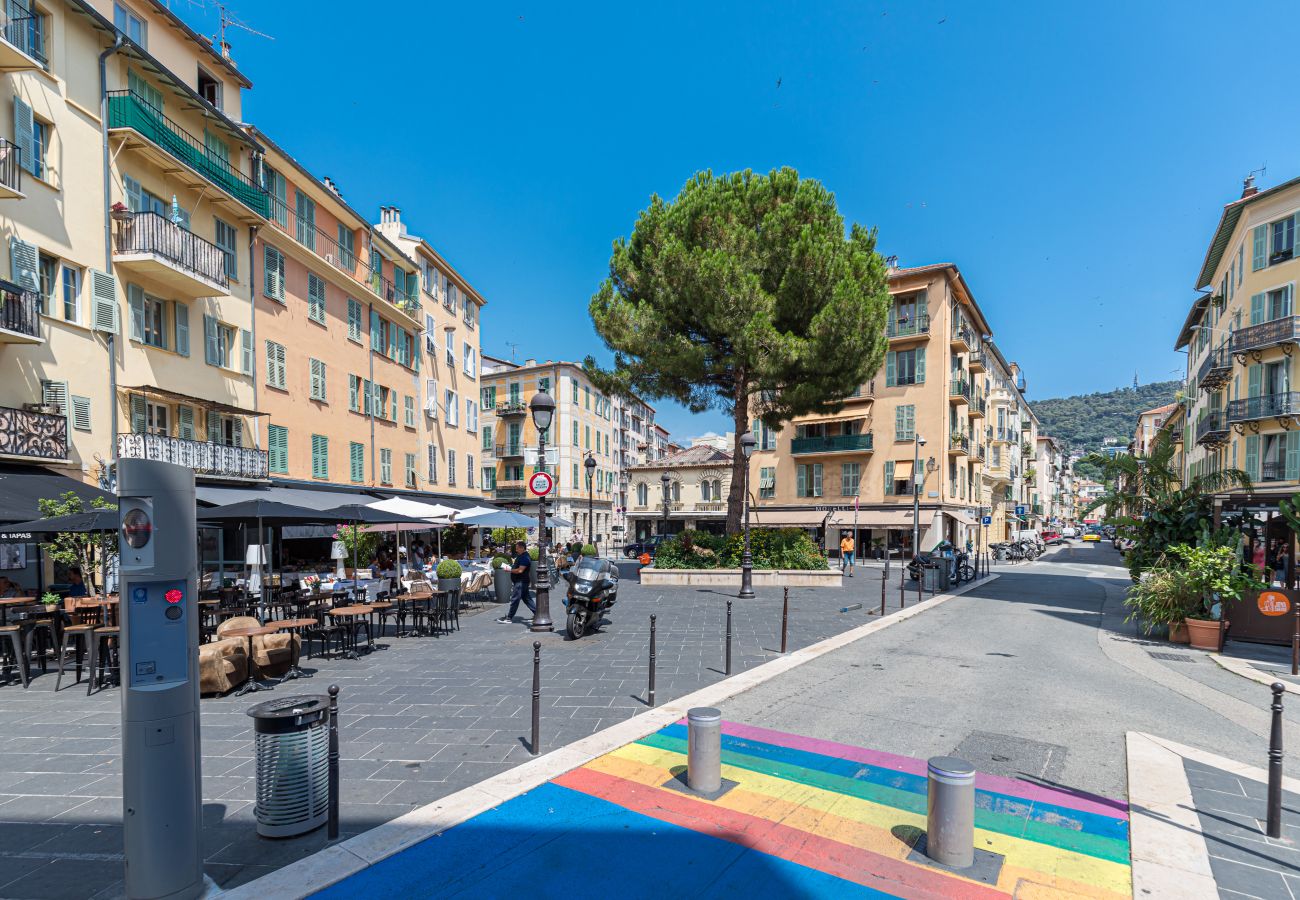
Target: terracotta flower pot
point(1204, 634)
point(1178, 633)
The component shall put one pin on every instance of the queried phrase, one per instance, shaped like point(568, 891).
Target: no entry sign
point(540, 484)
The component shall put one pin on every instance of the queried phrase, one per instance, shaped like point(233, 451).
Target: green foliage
point(449, 568)
point(1162, 597)
point(1214, 572)
point(498, 560)
point(745, 286)
point(589, 550)
point(455, 539)
point(784, 548)
point(50, 598)
point(87, 551)
point(1084, 422)
point(359, 541)
point(502, 536)
point(533, 553)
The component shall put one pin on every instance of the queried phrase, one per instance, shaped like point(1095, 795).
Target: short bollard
point(728, 637)
point(883, 577)
point(1295, 643)
point(333, 826)
point(902, 594)
point(950, 812)
point(785, 616)
point(1275, 764)
point(704, 750)
point(920, 585)
point(535, 745)
point(650, 691)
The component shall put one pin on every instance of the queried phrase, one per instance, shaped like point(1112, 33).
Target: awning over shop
point(22, 486)
point(148, 390)
point(219, 495)
point(775, 518)
point(961, 516)
point(872, 518)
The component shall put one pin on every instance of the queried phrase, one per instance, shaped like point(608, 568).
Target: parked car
point(1092, 536)
point(1052, 538)
point(648, 546)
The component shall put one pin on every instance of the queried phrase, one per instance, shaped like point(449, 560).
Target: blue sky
point(1072, 159)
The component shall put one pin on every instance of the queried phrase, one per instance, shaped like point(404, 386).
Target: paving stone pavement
point(420, 719)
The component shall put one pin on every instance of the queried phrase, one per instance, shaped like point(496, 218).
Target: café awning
point(21, 486)
point(775, 518)
point(872, 518)
point(961, 516)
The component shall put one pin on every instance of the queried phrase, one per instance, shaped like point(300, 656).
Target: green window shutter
point(911, 422)
point(889, 477)
point(277, 440)
point(920, 365)
point(137, 414)
point(246, 351)
point(352, 392)
point(1255, 383)
point(1259, 249)
point(23, 264)
point(1256, 308)
point(817, 479)
point(24, 132)
point(135, 301)
point(1292, 455)
point(317, 380)
point(900, 423)
point(185, 422)
point(376, 332)
point(357, 461)
point(320, 449)
point(801, 480)
point(181, 320)
point(214, 428)
point(1252, 457)
point(134, 193)
point(211, 349)
point(891, 369)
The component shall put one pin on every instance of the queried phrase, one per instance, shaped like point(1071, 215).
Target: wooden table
point(295, 626)
point(13, 601)
point(250, 632)
point(351, 615)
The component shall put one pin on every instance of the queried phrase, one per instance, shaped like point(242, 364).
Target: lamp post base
point(746, 578)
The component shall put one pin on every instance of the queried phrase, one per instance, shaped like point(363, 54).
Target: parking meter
point(158, 605)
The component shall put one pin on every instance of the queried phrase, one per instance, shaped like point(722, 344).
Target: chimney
point(530, 362)
point(891, 263)
point(1248, 188)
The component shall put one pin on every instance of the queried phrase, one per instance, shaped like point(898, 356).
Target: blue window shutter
point(1256, 308)
point(889, 477)
point(135, 300)
point(376, 332)
point(211, 351)
point(137, 414)
point(1292, 455)
point(1259, 248)
point(23, 264)
point(25, 131)
point(920, 365)
point(817, 479)
point(1252, 457)
point(181, 318)
point(891, 369)
point(134, 195)
point(185, 422)
point(801, 480)
point(1255, 374)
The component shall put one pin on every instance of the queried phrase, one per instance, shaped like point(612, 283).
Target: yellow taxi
point(1091, 536)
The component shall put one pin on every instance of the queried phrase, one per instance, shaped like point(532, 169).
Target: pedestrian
point(1258, 558)
point(78, 588)
point(519, 582)
point(846, 553)
point(1280, 565)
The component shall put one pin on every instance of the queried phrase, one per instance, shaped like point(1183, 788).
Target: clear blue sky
point(1072, 159)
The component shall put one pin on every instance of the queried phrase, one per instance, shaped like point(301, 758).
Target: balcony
point(166, 141)
point(149, 245)
point(23, 46)
point(204, 457)
point(1267, 406)
point(959, 390)
point(917, 326)
point(1212, 429)
point(978, 407)
point(1036, 509)
point(1003, 435)
point(977, 453)
point(512, 408)
point(961, 337)
point(1285, 330)
point(959, 444)
point(836, 443)
point(1216, 370)
point(977, 361)
point(20, 317)
point(508, 451)
point(513, 490)
point(11, 171)
point(1026, 425)
point(33, 435)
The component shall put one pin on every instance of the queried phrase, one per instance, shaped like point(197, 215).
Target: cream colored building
point(699, 480)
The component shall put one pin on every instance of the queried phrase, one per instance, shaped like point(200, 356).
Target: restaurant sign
point(1273, 603)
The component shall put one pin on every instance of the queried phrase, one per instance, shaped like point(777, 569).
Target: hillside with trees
point(1086, 421)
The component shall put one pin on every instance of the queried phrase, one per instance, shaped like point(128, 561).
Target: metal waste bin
point(291, 744)
point(930, 576)
point(944, 574)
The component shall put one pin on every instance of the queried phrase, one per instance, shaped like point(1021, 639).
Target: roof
point(1159, 409)
point(1193, 316)
point(205, 44)
point(961, 281)
point(1227, 225)
point(699, 455)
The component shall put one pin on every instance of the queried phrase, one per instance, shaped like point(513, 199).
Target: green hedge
point(774, 548)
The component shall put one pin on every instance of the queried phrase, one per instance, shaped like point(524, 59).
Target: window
point(586, 397)
point(304, 220)
point(451, 467)
point(71, 294)
point(41, 134)
point(155, 320)
point(850, 479)
point(409, 462)
point(468, 359)
point(320, 456)
point(273, 264)
point(449, 338)
point(1282, 240)
point(767, 482)
point(277, 444)
point(642, 495)
point(905, 367)
point(226, 239)
point(378, 328)
point(904, 422)
point(469, 470)
point(355, 318)
point(218, 339)
point(275, 365)
point(574, 383)
point(471, 415)
point(48, 267)
point(385, 466)
point(131, 25)
point(317, 380)
point(808, 480)
point(451, 403)
point(315, 298)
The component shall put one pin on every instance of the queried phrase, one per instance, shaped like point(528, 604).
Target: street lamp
point(590, 466)
point(746, 561)
point(665, 480)
point(543, 410)
point(918, 479)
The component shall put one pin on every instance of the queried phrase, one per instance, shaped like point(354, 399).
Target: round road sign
point(540, 484)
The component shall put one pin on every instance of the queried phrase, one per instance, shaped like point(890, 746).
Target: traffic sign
point(1020, 510)
point(987, 520)
point(540, 484)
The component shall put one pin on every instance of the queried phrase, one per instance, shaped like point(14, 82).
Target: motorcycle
point(593, 589)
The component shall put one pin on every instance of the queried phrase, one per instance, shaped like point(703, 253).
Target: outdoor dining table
point(295, 626)
point(12, 601)
point(250, 632)
point(351, 617)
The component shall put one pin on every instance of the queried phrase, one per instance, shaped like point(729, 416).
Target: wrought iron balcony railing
point(509, 492)
point(11, 166)
point(149, 232)
point(1215, 370)
point(837, 443)
point(25, 29)
point(1212, 428)
point(204, 457)
point(908, 327)
point(1266, 406)
point(508, 450)
point(512, 408)
point(959, 387)
point(1284, 330)
point(33, 434)
point(19, 310)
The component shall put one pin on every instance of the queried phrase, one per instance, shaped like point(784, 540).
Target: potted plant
point(501, 578)
point(589, 550)
point(1160, 600)
point(1216, 576)
point(448, 575)
point(50, 601)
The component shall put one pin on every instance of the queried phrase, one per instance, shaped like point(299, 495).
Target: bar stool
point(40, 631)
point(76, 638)
point(12, 635)
point(103, 644)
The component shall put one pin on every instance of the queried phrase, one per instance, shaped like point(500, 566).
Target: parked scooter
point(593, 588)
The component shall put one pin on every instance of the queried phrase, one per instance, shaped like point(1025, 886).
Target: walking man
point(846, 554)
point(519, 582)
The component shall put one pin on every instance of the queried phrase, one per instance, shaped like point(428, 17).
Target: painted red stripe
point(775, 839)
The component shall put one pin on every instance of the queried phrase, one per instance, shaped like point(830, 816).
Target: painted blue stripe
point(992, 801)
point(555, 842)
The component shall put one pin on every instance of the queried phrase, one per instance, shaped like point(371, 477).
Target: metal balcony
point(977, 361)
point(1272, 470)
point(506, 451)
point(959, 444)
point(204, 457)
point(1215, 370)
point(509, 492)
point(24, 38)
point(20, 316)
point(836, 443)
point(917, 326)
point(978, 407)
point(977, 453)
point(959, 391)
point(512, 408)
point(150, 245)
point(11, 170)
point(1285, 330)
point(1212, 429)
point(33, 435)
point(961, 337)
point(1267, 406)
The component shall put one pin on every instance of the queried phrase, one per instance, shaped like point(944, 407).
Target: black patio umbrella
point(360, 514)
point(89, 522)
point(263, 512)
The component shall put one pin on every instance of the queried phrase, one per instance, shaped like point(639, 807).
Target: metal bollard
point(535, 745)
point(728, 637)
point(785, 616)
point(704, 750)
point(882, 593)
point(333, 826)
point(902, 595)
point(651, 691)
point(1275, 764)
point(950, 812)
point(1295, 643)
point(920, 585)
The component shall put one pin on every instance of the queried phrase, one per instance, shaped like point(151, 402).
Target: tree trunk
point(735, 497)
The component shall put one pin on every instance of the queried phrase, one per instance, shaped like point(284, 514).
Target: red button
point(174, 596)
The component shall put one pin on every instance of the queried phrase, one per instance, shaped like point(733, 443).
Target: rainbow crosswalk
point(807, 818)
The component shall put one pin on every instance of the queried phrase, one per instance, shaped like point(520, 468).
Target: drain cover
point(1171, 657)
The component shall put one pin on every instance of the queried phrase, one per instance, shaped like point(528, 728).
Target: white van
point(1070, 532)
point(1029, 534)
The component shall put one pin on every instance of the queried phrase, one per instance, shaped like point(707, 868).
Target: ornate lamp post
point(918, 480)
point(746, 561)
point(665, 480)
point(543, 410)
point(590, 466)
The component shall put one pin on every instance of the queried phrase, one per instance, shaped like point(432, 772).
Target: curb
point(1246, 670)
point(333, 864)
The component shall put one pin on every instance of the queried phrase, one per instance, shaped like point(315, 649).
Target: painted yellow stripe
point(862, 823)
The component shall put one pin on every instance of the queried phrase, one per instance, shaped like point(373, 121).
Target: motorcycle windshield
point(590, 569)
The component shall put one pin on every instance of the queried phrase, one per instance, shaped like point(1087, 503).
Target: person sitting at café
point(77, 585)
point(8, 590)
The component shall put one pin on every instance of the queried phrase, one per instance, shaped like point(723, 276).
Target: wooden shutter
point(181, 322)
point(25, 133)
point(1255, 383)
point(1259, 248)
point(246, 351)
point(103, 290)
point(900, 423)
point(185, 422)
point(23, 264)
point(1292, 456)
point(135, 302)
point(920, 365)
point(1252, 456)
point(55, 393)
point(317, 379)
point(891, 369)
point(278, 448)
point(352, 392)
point(357, 461)
point(211, 351)
point(137, 414)
point(801, 480)
point(817, 479)
point(81, 413)
point(1256, 308)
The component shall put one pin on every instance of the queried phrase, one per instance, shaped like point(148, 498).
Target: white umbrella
point(437, 515)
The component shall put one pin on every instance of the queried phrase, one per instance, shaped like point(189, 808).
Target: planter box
point(652, 577)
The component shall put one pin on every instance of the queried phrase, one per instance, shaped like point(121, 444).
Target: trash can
point(944, 573)
point(930, 576)
point(291, 745)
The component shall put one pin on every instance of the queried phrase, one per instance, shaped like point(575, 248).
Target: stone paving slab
point(421, 718)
